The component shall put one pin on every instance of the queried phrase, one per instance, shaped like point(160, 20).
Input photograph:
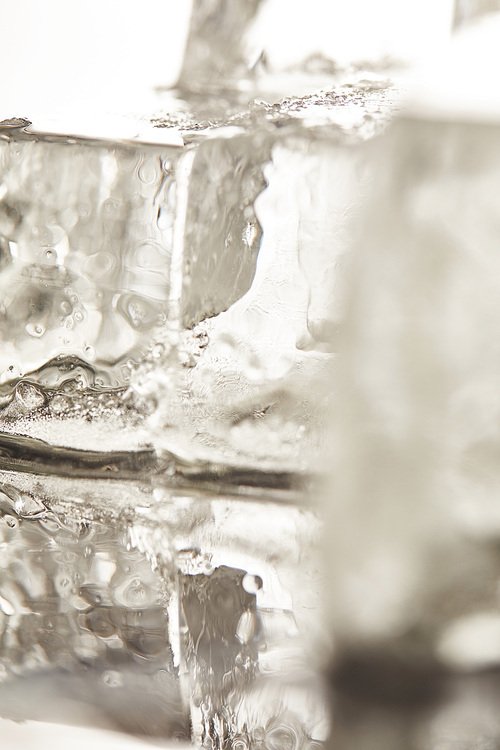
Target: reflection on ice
point(197, 614)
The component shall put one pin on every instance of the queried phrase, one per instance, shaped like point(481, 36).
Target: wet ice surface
point(198, 613)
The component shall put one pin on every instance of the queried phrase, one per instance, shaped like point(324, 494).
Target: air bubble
point(50, 255)
point(78, 316)
point(89, 352)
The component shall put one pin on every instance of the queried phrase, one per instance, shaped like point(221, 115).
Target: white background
point(58, 55)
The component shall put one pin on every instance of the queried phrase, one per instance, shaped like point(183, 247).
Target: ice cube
point(248, 369)
point(418, 405)
point(413, 519)
point(87, 239)
point(107, 270)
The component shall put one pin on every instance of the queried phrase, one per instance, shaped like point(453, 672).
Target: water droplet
point(138, 312)
point(11, 522)
point(65, 307)
point(148, 172)
point(35, 329)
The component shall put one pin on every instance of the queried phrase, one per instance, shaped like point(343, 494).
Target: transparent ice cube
point(115, 277)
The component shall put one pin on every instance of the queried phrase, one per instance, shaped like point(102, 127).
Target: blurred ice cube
point(413, 521)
